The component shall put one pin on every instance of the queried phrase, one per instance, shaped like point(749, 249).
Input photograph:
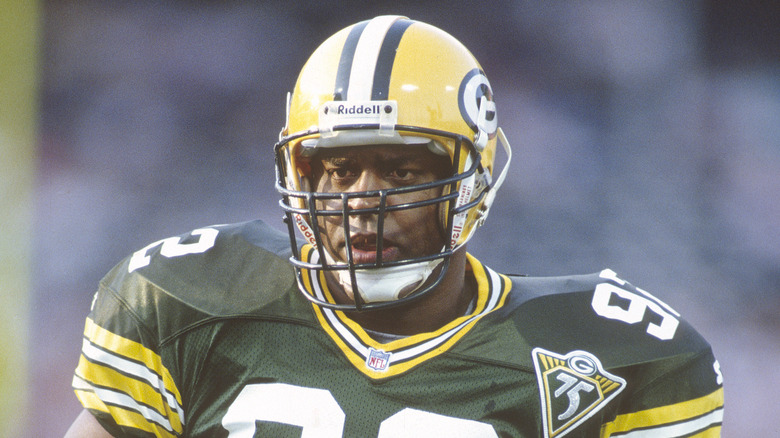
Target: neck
point(449, 300)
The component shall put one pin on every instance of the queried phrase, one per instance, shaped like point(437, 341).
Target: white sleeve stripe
point(685, 428)
point(81, 384)
point(126, 366)
point(124, 401)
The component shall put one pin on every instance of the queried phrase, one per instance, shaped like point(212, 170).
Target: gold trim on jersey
point(701, 417)
point(128, 381)
point(379, 360)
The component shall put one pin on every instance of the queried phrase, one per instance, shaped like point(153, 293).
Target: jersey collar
point(379, 360)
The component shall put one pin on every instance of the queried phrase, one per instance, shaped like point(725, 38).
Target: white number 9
point(635, 313)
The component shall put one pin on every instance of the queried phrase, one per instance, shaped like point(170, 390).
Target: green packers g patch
point(572, 387)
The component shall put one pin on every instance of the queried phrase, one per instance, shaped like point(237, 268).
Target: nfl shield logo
point(378, 360)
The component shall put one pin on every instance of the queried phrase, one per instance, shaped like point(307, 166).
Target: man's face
point(407, 233)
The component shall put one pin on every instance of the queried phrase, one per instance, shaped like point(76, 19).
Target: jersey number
point(172, 247)
point(635, 310)
point(319, 415)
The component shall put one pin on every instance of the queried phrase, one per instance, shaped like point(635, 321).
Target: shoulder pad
point(599, 313)
point(210, 272)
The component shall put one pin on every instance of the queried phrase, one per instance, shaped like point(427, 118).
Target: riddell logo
point(368, 110)
point(460, 219)
point(307, 232)
point(357, 110)
point(456, 232)
point(382, 112)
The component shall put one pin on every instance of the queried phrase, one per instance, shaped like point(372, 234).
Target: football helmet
point(389, 81)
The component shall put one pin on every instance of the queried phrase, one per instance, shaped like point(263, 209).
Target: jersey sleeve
point(684, 401)
point(121, 377)
point(658, 375)
point(678, 385)
point(133, 372)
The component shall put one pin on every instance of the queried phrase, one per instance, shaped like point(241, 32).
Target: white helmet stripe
point(361, 76)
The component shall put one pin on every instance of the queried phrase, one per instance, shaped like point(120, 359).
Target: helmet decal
point(475, 99)
point(367, 59)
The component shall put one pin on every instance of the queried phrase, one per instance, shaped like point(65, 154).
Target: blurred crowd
point(646, 139)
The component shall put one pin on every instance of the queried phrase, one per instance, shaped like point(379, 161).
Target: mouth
point(364, 249)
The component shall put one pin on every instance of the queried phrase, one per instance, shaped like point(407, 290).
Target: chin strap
point(490, 196)
point(388, 284)
point(385, 284)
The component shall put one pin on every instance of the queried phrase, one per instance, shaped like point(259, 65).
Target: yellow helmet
point(391, 80)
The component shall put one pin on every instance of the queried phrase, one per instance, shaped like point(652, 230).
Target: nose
point(367, 182)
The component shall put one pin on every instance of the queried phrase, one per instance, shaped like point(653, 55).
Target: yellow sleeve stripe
point(123, 410)
point(121, 347)
point(85, 395)
point(141, 392)
point(702, 416)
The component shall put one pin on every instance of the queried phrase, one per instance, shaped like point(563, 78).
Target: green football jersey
point(208, 335)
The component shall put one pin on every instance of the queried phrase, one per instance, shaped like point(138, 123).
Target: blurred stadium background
point(646, 139)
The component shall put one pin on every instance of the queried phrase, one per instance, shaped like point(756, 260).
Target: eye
point(339, 173)
point(402, 173)
point(409, 174)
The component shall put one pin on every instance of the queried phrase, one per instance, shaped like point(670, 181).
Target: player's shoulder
point(208, 272)
point(602, 314)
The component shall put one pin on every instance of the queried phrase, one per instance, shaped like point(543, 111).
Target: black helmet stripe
point(367, 59)
point(384, 62)
point(345, 62)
